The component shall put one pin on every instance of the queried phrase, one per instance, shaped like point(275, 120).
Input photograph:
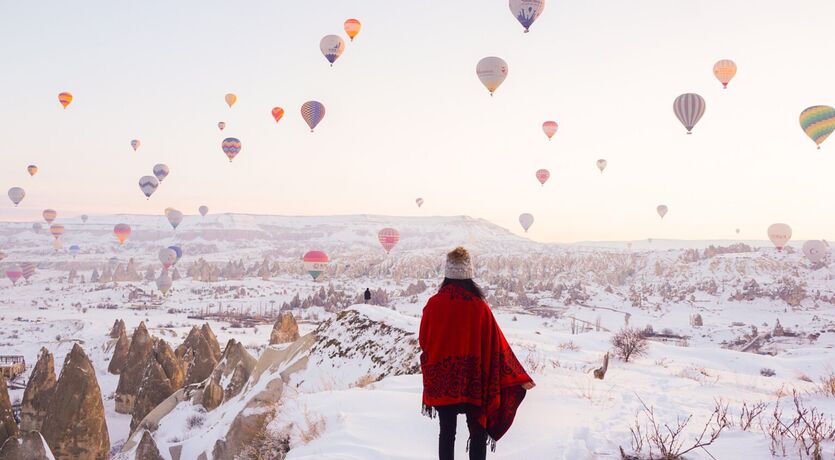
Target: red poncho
point(467, 360)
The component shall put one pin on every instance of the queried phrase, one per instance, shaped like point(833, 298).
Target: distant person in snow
point(468, 366)
point(367, 295)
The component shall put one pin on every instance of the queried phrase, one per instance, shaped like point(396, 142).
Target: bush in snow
point(766, 372)
point(628, 343)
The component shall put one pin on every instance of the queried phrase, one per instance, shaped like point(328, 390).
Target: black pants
point(448, 416)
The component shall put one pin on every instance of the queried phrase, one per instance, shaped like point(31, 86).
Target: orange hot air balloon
point(352, 28)
point(724, 71)
point(550, 128)
point(65, 98)
point(49, 215)
point(56, 230)
point(32, 169)
point(231, 99)
point(277, 112)
point(122, 232)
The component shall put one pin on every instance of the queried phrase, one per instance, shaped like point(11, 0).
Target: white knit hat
point(459, 266)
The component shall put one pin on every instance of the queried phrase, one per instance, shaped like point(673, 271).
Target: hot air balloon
point(27, 269)
point(230, 99)
point(84, 218)
point(32, 170)
point(135, 144)
point(148, 185)
point(164, 282)
point(161, 171)
point(203, 210)
point(542, 176)
point(56, 230)
point(526, 11)
point(315, 262)
point(779, 234)
point(550, 128)
point(122, 232)
point(167, 256)
point(526, 220)
point(49, 215)
point(16, 194)
point(352, 28)
point(14, 273)
point(313, 112)
point(737, 231)
point(724, 71)
point(65, 98)
point(332, 47)
point(689, 109)
point(815, 250)
point(231, 147)
point(601, 165)
point(175, 218)
point(419, 202)
point(277, 112)
point(662, 210)
point(36, 227)
point(177, 251)
point(491, 71)
point(388, 238)
point(818, 122)
point(74, 249)
point(221, 125)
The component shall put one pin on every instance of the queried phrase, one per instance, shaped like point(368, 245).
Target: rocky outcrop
point(75, 427)
point(147, 449)
point(164, 374)
point(26, 446)
point(120, 354)
point(141, 349)
point(200, 352)
point(8, 426)
point(229, 376)
point(285, 330)
point(118, 329)
point(38, 394)
point(212, 395)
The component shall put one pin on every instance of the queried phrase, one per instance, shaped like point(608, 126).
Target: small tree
point(629, 342)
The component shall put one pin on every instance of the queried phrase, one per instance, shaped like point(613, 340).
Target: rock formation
point(233, 371)
point(200, 352)
point(141, 348)
point(285, 330)
point(212, 395)
point(147, 449)
point(118, 329)
point(120, 354)
point(38, 394)
point(26, 446)
point(164, 374)
point(75, 427)
point(8, 426)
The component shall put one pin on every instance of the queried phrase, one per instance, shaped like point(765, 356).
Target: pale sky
point(407, 116)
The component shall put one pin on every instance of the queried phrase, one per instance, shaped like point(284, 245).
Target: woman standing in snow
point(468, 366)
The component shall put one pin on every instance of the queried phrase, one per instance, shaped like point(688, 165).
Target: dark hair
point(468, 285)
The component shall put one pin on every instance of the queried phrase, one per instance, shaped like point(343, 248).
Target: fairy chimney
point(120, 354)
point(163, 376)
point(141, 348)
point(285, 330)
point(200, 352)
point(26, 446)
point(147, 449)
point(8, 426)
point(38, 394)
point(117, 329)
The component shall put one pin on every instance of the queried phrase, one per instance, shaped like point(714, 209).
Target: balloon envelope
point(14, 273)
point(177, 251)
point(32, 170)
point(277, 112)
point(221, 125)
point(315, 262)
point(815, 250)
point(135, 144)
point(689, 109)
point(313, 112)
point(122, 232)
point(779, 234)
point(161, 171)
point(724, 71)
point(491, 71)
point(231, 147)
point(167, 256)
point(818, 122)
point(56, 230)
point(542, 176)
point(526, 11)
point(526, 220)
point(601, 164)
point(27, 269)
point(164, 282)
point(662, 210)
point(74, 249)
point(230, 99)
point(332, 47)
point(175, 217)
point(148, 185)
point(49, 215)
point(84, 218)
point(203, 210)
point(352, 28)
point(419, 202)
point(16, 194)
point(65, 98)
point(388, 238)
point(550, 128)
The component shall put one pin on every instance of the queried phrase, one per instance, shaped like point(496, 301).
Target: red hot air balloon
point(550, 128)
point(542, 176)
point(277, 112)
point(122, 232)
point(315, 262)
point(389, 238)
point(14, 273)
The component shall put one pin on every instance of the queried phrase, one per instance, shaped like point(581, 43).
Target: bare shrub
point(195, 421)
point(748, 414)
point(364, 381)
point(568, 346)
point(804, 431)
point(628, 343)
point(314, 426)
point(826, 386)
point(266, 445)
point(766, 372)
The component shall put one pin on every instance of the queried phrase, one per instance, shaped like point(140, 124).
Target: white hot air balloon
point(332, 47)
point(175, 217)
point(662, 210)
point(815, 250)
point(526, 11)
point(526, 220)
point(491, 71)
point(148, 185)
point(16, 194)
point(161, 171)
point(779, 234)
point(164, 282)
point(601, 165)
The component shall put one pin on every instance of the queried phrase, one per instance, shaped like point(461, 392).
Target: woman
point(468, 366)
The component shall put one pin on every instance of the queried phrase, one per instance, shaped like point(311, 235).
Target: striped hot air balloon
point(27, 269)
point(231, 147)
point(65, 98)
point(315, 263)
point(689, 109)
point(724, 71)
point(277, 112)
point(388, 238)
point(818, 122)
point(550, 128)
point(49, 215)
point(148, 185)
point(352, 28)
point(56, 230)
point(122, 232)
point(313, 112)
point(542, 176)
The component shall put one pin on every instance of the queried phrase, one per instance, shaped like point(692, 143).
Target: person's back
point(367, 295)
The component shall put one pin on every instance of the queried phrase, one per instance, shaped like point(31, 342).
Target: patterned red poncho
point(467, 360)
